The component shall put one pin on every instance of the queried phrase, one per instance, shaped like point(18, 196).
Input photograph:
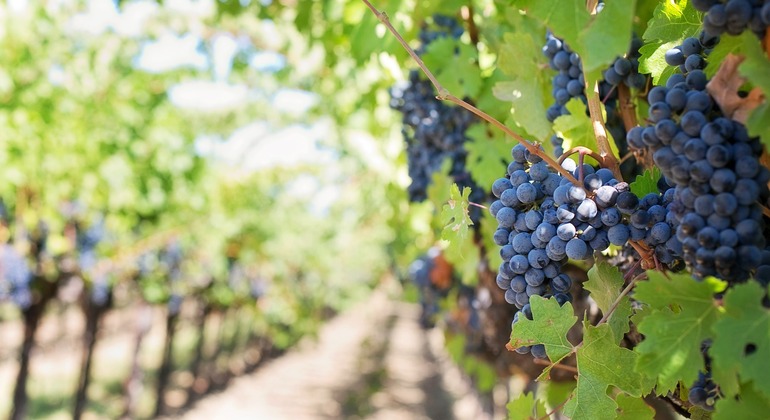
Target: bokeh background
point(192, 190)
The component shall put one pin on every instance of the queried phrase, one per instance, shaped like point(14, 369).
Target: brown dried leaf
point(724, 88)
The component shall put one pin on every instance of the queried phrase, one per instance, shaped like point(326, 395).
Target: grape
point(577, 249)
point(506, 217)
point(519, 264)
point(618, 235)
point(501, 236)
point(674, 57)
point(526, 193)
point(610, 217)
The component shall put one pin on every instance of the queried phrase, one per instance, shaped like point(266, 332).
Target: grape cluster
point(690, 57)
point(713, 165)
point(15, 278)
point(433, 130)
point(569, 81)
point(734, 16)
point(544, 220)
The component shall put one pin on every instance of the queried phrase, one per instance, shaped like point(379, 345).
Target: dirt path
point(371, 362)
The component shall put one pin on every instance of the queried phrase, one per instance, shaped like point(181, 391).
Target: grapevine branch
point(600, 131)
point(445, 95)
point(595, 111)
point(627, 109)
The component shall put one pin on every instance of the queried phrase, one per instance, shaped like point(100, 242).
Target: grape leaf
point(673, 21)
point(745, 325)
point(757, 123)
point(631, 408)
point(549, 326)
point(528, 90)
point(565, 18)
point(525, 407)
point(756, 68)
point(486, 154)
point(612, 30)
point(571, 22)
point(751, 405)
point(727, 44)
point(555, 393)
point(653, 61)
point(575, 128)
point(461, 252)
point(670, 351)
point(455, 66)
point(646, 183)
point(455, 215)
point(602, 363)
point(605, 284)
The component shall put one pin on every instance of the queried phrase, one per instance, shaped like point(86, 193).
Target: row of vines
point(113, 205)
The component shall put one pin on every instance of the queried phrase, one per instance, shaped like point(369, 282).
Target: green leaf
point(756, 69)
point(487, 153)
point(455, 66)
point(461, 252)
point(602, 363)
point(525, 407)
point(697, 413)
point(757, 123)
point(653, 61)
point(670, 351)
point(673, 21)
point(646, 183)
point(632, 408)
point(745, 324)
point(555, 393)
point(727, 44)
point(528, 89)
point(611, 29)
point(549, 326)
point(565, 18)
point(605, 283)
point(575, 128)
point(751, 405)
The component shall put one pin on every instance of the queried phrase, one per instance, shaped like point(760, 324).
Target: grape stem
point(481, 206)
point(445, 95)
point(620, 297)
point(582, 150)
point(627, 108)
point(544, 362)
